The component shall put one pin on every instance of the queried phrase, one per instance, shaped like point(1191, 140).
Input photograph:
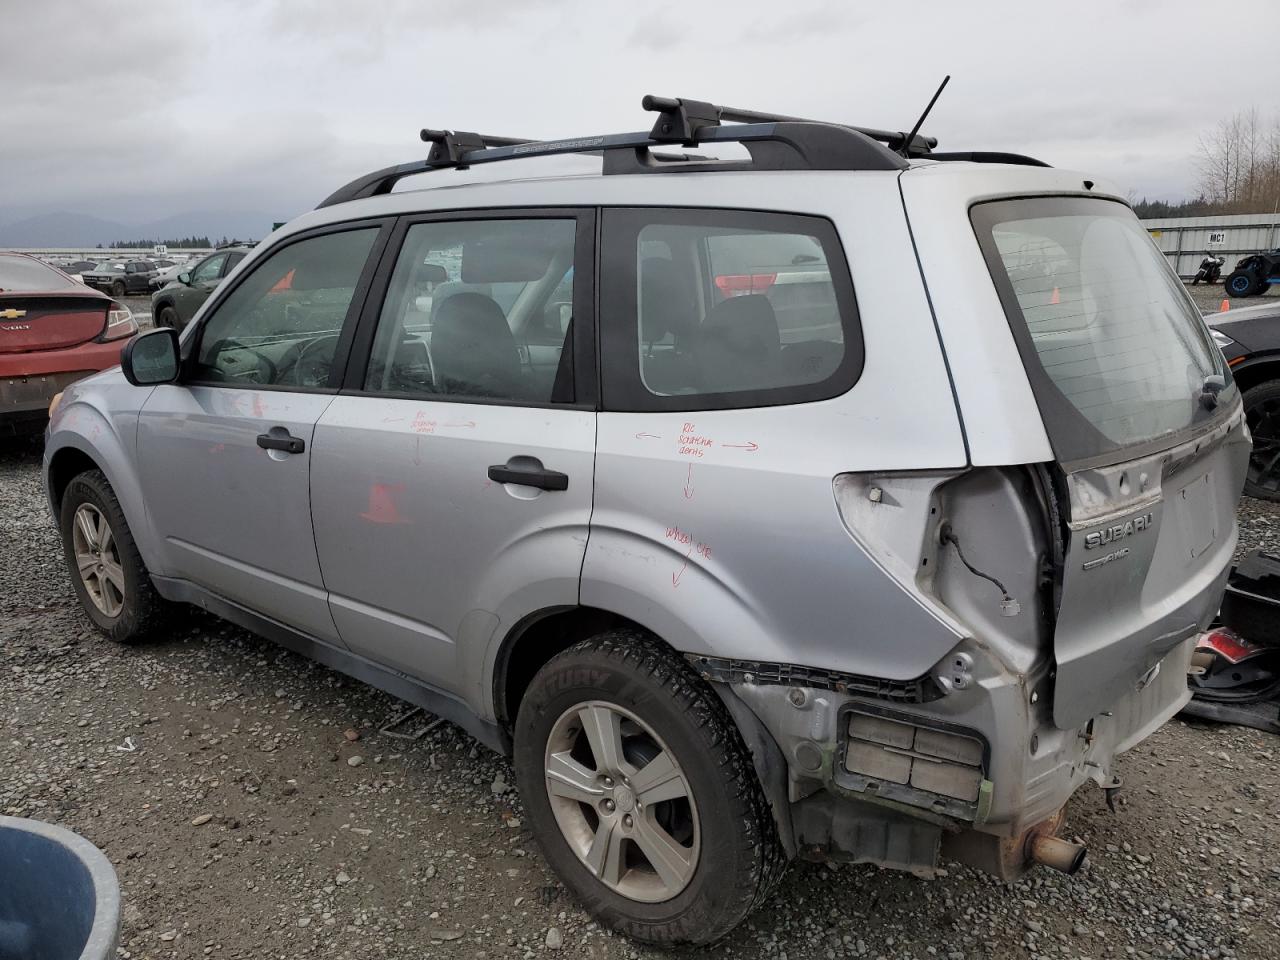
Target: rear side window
point(1116, 352)
point(713, 309)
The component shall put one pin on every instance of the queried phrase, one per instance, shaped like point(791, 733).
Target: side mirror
point(151, 358)
point(184, 278)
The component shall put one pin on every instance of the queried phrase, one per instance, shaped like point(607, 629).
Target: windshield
point(23, 273)
point(1115, 350)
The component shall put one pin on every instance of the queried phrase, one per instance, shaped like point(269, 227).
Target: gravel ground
point(252, 810)
point(1209, 298)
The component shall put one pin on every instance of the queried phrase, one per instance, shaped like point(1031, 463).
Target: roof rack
point(773, 141)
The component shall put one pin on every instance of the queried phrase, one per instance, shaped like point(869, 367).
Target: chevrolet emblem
point(12, 314)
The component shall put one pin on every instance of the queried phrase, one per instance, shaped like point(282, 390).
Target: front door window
point(280, 326)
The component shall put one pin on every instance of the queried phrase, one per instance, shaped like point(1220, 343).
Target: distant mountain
point(64, 229)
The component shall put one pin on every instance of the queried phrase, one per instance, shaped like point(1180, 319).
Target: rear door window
point(715, 309)
point(1116, 352)
point(480, 310)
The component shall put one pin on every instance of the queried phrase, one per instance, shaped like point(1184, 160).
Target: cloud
point(138, 113)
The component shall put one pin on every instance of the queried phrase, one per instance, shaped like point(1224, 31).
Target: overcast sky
point(140, 110)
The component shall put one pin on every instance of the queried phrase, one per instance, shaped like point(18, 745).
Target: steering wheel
point(314, 362)
point(265, 366)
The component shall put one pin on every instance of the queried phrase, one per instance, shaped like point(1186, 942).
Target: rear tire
point(106, 570)
point(167, 317)
point(726, 856)
point(1242, 283)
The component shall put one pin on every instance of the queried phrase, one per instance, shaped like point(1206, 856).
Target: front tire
point(641, 792)
point(106, 570)
point(167, 317)
point(118, 289)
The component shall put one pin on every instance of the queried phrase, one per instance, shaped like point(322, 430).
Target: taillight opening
point(120, 322)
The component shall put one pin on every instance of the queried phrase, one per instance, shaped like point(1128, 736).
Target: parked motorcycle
point(1210, 270)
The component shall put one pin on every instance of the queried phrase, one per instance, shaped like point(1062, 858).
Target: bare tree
point(1239, 163)
point(1216, 162)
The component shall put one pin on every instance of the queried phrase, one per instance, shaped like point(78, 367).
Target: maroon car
point(53, 331)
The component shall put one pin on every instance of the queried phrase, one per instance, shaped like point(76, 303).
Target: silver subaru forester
point(843, 499)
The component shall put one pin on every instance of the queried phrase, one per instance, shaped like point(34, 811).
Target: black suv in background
point(175, 305)
point(120, 278)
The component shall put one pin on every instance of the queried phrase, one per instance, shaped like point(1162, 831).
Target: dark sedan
point(53, 331)
point(1250, 340)
point(120, 278)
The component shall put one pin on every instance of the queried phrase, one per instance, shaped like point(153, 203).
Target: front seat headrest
point(473, 350)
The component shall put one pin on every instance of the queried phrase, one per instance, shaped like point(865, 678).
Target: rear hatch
point(1146, 431)
point(39, 321)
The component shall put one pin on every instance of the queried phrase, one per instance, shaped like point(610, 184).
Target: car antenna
point(906, 144)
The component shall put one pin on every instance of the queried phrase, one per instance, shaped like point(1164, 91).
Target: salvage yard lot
point(215, 771)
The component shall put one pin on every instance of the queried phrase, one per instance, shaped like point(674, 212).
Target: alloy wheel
point(622, 801)
point(98, 559)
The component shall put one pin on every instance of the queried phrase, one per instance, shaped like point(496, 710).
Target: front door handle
point(270, 441)
point(537, 477)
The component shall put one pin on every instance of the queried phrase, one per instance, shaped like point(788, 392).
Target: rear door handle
point(270, 441)
point(537, 477)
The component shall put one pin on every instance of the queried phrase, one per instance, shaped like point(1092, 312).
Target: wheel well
point(66, 465)
point(1249, 375)
point(534, 641)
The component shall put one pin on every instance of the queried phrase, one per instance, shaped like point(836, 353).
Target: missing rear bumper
point(1010, 857)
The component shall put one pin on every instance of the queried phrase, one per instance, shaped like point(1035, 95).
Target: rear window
point(1116, 352)
point(26, 275)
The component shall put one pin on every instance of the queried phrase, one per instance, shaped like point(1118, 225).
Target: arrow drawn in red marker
point(464, 423)
point(750, 446)
point(688, 484)
point(647, 436)
point(675, 577)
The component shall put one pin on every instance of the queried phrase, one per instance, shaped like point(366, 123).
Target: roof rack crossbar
point(449, 146)
point(679, 115)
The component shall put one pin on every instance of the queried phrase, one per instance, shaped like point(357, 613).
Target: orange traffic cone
point(1055, 298)
point(1226, 305)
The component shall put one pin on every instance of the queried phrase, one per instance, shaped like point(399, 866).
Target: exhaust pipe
point(1056, 853)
